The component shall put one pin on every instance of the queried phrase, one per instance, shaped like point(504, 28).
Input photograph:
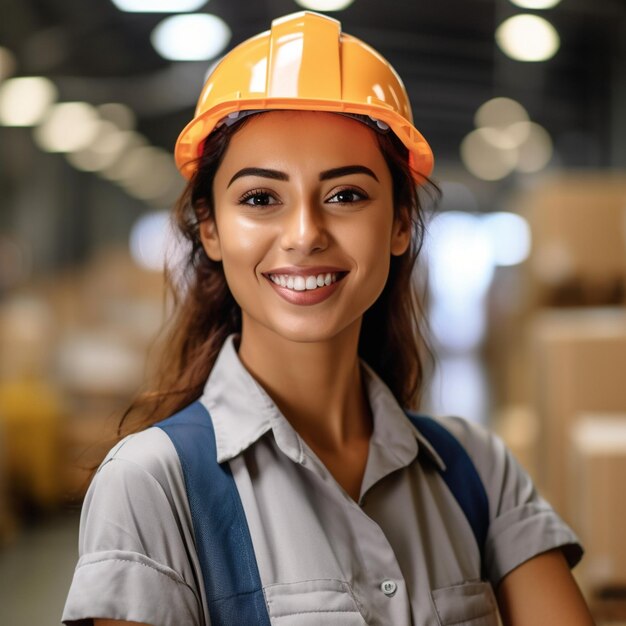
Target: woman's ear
point(401, 233)
point(210, 239)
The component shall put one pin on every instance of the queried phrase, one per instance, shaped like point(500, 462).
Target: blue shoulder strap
point(231, 576)
point(229, 568)
point(460, 475)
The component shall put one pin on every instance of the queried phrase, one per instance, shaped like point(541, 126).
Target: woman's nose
point(304, 229)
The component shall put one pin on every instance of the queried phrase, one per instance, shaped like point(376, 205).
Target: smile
point(304, 283)
point(305, 286)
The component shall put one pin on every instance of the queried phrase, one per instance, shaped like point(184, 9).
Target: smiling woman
point(275, 474)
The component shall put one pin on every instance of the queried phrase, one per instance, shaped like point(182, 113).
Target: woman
point(304, 224)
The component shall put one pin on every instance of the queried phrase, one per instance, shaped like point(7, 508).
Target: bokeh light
point(102, 152)
point(154, 244)
point(536, 4)
point(535, 152)
point(148, 173)
point(158, 6)
point(119, 114)
point(325, 5)
point(125, 142)
point(527, 38)
point(196, 37)
point(509, 236)
point(459, 256)
point(484, 158)
point(25, 101)
point(500, 113)
point(69, 126)
point(458, 326)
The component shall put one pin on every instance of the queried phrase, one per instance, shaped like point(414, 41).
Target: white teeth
point(302, 283)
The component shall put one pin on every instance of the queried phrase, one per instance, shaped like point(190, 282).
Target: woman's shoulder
point(149, 452)
point(504, 479)
point(465, 430)
point(482, 445)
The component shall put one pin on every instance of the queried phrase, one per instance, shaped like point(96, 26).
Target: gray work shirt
point(404, 554)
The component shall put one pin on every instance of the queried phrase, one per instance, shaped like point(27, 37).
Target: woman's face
point(304, 223)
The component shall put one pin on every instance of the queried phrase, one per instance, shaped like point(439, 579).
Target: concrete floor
point(36, 570)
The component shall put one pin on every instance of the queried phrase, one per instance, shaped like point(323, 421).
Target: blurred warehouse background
point(524, 104)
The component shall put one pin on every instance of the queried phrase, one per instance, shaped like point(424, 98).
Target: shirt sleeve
point(521, 523)
point(134, 561)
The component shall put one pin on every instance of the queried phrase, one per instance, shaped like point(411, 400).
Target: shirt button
point(388, 587)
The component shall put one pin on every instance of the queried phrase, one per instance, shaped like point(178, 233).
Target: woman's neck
point(317, 385)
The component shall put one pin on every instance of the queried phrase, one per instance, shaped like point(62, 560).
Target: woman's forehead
point(304, 135)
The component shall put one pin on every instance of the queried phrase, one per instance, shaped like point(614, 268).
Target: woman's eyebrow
point(336, 172)
point(258, 171)
point(347, 169)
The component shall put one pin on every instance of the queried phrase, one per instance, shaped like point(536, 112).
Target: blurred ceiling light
point(527, 38)
point(149, 240)
point(7, 63)
point(484, 159)
point(510, 237)
point(158, 6)
point(460, 387)
point(25, 101)
point(458, 327)
point(500, 113)
point(536, 150)
point(149, 173)
point(121, 115)
point(102, 152)
point(535, 4)
point(500, 139)
point(69, 126)
point(325, 5)
point(196, 37)
point(126, 142)
point(459, 256)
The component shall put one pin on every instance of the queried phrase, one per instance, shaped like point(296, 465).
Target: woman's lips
point(305, 296)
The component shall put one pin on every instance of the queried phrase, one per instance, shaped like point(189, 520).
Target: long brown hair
point(393, 334)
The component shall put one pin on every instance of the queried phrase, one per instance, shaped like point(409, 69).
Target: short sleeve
point(134, 561)
point(521, 523)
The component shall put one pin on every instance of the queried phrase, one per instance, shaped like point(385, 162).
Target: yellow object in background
point(30, 418)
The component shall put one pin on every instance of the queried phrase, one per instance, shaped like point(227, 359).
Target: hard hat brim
point(191, 140)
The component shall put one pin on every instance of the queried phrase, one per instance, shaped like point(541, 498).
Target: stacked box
point(578, 363)
point(596, 495)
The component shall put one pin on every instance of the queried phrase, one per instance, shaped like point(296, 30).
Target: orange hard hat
point(303, 63)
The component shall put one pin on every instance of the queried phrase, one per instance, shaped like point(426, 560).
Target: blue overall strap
point(231, 576)
point(460, 476)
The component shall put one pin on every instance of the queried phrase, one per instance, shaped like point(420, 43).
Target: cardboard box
point(596, 497)
point(578, 365)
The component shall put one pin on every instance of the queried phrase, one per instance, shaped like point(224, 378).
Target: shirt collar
point(242, 412)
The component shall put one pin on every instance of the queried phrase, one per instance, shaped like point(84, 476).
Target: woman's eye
point(347, 196)
point(258, 198)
